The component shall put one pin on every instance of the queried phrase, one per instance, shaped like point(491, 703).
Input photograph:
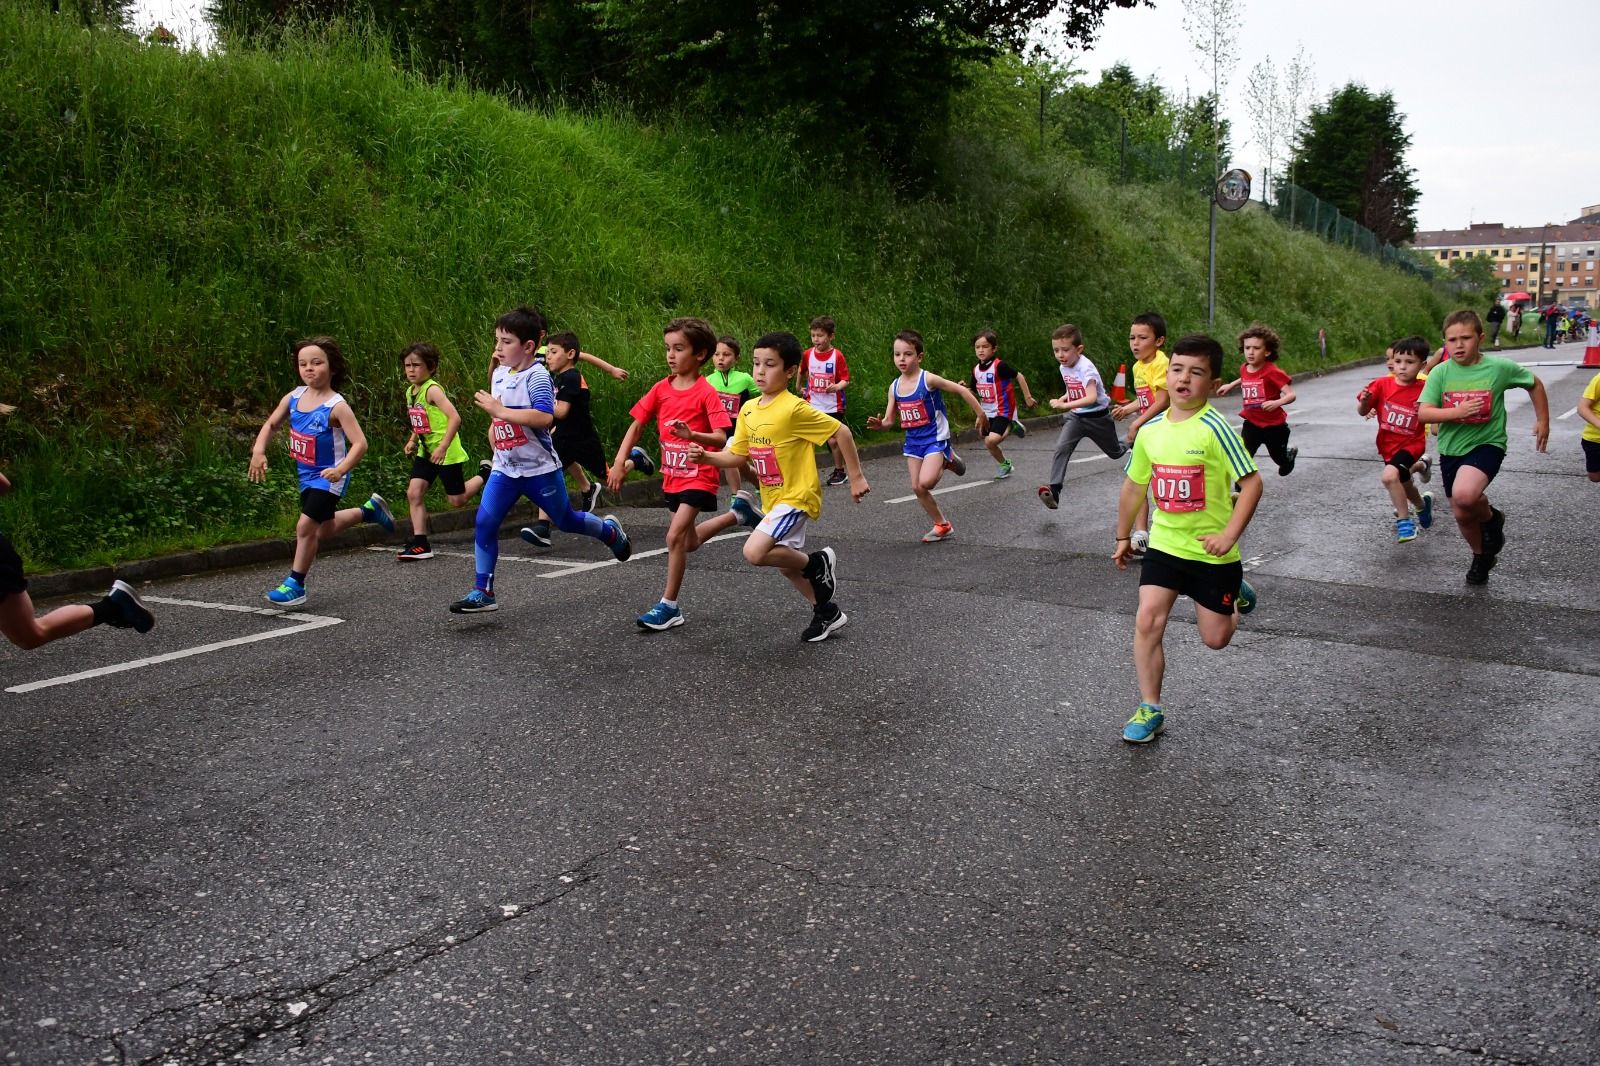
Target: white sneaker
point(1140, 540)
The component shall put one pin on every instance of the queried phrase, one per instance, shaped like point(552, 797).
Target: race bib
point(1399, 418)
point(675, 458)
point(730, 402)
point(506, 435)
point(913, 413)
point(1147, 396)
point(821, 382)
point(302, 448)
point(1463, 396)
point(1253, 392)
point(419, 420)
point(986, 392)
point(765, 463)
point(1179, 488)
point(1075, 389)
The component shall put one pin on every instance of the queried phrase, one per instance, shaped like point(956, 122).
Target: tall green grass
point(175, 220)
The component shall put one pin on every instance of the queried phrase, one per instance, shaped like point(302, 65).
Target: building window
point(1589, 265)
point(1505, 268)
point(1455, 253)
point(1444, 255)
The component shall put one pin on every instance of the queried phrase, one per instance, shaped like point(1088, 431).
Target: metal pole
point(1041, 117)
point(1543, 233)
point(1211, 282)
point(1124, 149)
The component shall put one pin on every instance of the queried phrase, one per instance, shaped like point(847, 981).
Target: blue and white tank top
point(315, 443)
point(522, 451)
point(922, 413)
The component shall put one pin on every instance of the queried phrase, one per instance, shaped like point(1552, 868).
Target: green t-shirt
point(1450, 383)
point(417, 406)
point(1190, 466)
point(736, 381)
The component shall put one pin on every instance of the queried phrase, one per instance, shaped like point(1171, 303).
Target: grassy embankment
point(174, 220)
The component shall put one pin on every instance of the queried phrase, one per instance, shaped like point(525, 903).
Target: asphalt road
point(389, 834)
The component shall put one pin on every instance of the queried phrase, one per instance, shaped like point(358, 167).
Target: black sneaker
point(838, 477)
point(537, 534)
point(1288, 463)
point(1478, 572)
point(1494, 533)
point(131, 611)
point(591, 499)
point(826, 620)
point(820, 572)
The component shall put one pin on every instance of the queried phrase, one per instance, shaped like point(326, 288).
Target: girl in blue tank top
point(325, 442)
point(916, 404)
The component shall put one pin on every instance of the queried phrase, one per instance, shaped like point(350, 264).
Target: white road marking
point(1567, 414)
point(305, 622)
point(537, 560)
point(580, 568)
point(981, 484)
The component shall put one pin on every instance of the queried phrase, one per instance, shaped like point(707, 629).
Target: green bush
point(175, 220)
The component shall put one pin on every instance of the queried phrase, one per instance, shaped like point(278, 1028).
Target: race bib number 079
point(1179, 488)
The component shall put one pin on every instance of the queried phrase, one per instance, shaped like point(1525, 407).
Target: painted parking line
point(1563, 416)
point(568, 567)
point(303, 623)
point(981, 484)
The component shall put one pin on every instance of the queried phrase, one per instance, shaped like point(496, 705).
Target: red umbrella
point(1516, 296)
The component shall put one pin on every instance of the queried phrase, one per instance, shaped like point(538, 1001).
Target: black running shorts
point(1213, 586)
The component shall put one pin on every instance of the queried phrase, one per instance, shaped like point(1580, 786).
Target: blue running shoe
point(1425, 512)
point(661, 617)
point(376, 510)
point(745, 510)
point(289, 594)
point(1146, 722)
point(1404, 529)
point(1246, 600)
point(620, 545)
point(475, 602)
point(131, 611)
point(642, 461)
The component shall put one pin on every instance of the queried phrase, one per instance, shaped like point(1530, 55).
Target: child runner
point(916, 404)
point(996, 384)
point(1266, 392)
point(577, 443)
point(435, 441)
point(1086, 406)
point(1587, 411)
point(686, 411)
point(1402, 438)
point(521, 406)
point(823, 377)
point(326, 443)
point(734, 388)
point(1145, 337)
point(778, 435)
point(1189, 455)
point(120, 607)
point(1464, 395)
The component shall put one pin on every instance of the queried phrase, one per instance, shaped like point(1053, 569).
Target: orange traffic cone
point(1591, 354)
point(1119, 387)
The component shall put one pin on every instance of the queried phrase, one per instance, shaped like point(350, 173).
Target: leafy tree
point(1353, 154)
point(1474, 276)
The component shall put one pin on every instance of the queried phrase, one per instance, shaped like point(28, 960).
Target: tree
point(1353, 155)
point(1474, 276)
point(1213, 29)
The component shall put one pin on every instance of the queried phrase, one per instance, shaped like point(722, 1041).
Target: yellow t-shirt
point(1592, 394)
point(780, 436)
point(1148, 377)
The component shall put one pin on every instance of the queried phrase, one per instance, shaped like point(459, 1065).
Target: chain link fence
point(1302, 209)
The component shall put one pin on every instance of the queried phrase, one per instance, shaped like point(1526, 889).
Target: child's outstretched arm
point(1244, 509)
point(5, 485)
point(1541, 413)
point(600, 364)
point(8, 408)
point(1366, 403)
point(617, 471)
point(981, 420)
point(891, 416)
point(1090, 397)
point(1128, 503)
point(258, 450)
point(1158, 403)
point(1027, 393)
point(1226, 387)
point(344, 417)
point(1587, 412)
point(452, 423)
point(1285, 398)
point(852, 462)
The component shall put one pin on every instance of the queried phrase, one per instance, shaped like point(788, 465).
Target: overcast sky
point(1480, 93)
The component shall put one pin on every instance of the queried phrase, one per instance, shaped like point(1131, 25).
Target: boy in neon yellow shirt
point(777, 434)
point(1589, 411)
point(1189, 455)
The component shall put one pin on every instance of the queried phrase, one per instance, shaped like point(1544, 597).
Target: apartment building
point(1549, 263)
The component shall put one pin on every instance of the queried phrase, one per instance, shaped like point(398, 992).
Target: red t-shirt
point(697, 405)
point(1257, 387)
point(1398, 424)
